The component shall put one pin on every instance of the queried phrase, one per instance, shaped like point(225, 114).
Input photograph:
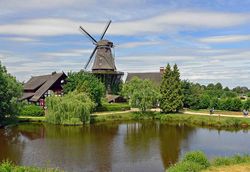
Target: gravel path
point(217, 114)
point(158, 110)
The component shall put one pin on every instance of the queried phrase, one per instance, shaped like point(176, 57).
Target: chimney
point(162, 70)
point(53, 73)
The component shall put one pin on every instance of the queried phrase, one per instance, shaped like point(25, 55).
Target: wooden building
point(39, 87)
point(155, 77)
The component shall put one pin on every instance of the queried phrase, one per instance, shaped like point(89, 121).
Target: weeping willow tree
point(72, 108)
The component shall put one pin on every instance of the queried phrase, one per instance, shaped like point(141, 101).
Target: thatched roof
point(39, 85)
point(153, 76)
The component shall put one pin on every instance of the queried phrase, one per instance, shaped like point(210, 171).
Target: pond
point(136, 146)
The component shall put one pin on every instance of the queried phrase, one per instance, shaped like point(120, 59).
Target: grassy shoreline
point(7, 166)
point(178, 118)
point(197, 161)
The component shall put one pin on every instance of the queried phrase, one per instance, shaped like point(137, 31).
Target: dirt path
point(217, 114)
point(158, 110)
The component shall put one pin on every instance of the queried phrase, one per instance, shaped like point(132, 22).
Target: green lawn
point(31, 118)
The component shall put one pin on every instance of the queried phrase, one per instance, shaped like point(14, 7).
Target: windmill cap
point(105, 43)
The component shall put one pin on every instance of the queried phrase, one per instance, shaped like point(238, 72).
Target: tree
point(10, 91)
point(240, 90)
point(246, 105)
point(214, 103)
point(231, 104)
point(226, 89)
point(69, 109)
point(187, 93)
point(228, 94)
point(218, 86)
point(140, 93)
point(236, 105)
point(210, 86)
point(85, 82)
point(204, 102)
point(177, 91)
point(170, 88)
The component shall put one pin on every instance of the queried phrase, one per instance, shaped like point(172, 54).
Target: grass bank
point(197, 161)
point(242, 167)
point(31, 119)
point(186, 119)
point(177, 118)
point(8, 166)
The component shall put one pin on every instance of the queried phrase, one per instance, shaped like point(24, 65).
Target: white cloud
point(226, 39)
point(152, 58)
point(69, 53)
point(19, 39)
point(182, 20)
point(38, 4)
point(236, 56)
point(138, 44)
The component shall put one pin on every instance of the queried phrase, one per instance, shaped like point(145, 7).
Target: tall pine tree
point(171, 93)
point(177, 91)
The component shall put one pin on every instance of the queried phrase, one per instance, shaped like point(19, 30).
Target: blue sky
point(209, 40)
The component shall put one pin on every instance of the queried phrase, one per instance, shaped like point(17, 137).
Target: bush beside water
point(31, 110)
point(108, 107)
point(197, 161)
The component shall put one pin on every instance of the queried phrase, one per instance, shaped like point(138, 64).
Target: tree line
point(171, 95)
point(174, 94)
point(198, 96)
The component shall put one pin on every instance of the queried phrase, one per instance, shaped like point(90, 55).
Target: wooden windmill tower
point(104, 63)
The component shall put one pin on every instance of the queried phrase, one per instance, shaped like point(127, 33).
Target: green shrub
point(113, 107)
point(31, 110)
point(197, 161)
point(192, 162)
point(197, 157)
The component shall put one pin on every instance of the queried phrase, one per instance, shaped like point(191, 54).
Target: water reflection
point(136, 146)
point(171, 138)
point(142, 137)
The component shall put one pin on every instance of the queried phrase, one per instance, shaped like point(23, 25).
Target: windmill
point(104, 64)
